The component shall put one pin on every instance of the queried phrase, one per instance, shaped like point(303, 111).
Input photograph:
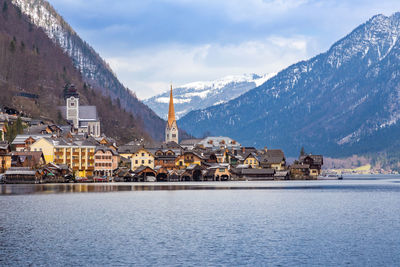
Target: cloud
point(182, 64)
point(152, 43)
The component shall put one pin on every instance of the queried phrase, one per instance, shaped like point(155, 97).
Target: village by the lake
point(44, 152)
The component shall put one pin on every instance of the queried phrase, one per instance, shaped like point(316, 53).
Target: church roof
point(86, 113)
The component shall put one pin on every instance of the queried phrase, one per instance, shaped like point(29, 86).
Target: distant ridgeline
point(342, 102)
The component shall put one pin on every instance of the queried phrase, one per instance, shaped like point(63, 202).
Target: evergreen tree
point(19, 128)
point(12, 46)
point(5, 6)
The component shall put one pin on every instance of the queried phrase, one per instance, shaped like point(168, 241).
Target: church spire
point(171, 111)
point(171, 129)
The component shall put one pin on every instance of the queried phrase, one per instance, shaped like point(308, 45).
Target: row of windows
point(103, 157)
point(143, 161)
point(103, 164)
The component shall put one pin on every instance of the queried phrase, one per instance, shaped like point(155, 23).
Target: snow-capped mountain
point(343, 101)
point(200, 95)
point(94, 69)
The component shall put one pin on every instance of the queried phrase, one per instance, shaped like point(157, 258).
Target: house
point(315, 162)
point(52, 129)
point(193, 172)
point(252, 160)
point(127, 150)
point(142, 157)
point(252, 174)
point(107, 142)
point(165, 158)
point(273, 158)
point(5, 156)
point(188, 158)
point(219, 142)
point(162, 174)
point(46, 146)
point(23, 175)
point(300, 171)
point(189, 144)
point(22, 142)
point(217, 172)
point(106, 160)
point(31, 159)
point(145, 174)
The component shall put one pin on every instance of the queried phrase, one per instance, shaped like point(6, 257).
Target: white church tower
point(171, 130)
point(73, 108)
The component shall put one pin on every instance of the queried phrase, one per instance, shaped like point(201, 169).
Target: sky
point(150, 44)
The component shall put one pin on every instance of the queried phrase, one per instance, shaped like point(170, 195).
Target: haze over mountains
point(342, 102)
point(200, 95)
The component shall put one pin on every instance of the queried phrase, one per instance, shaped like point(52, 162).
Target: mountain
point(200, 95)
point(94, 69)
point(31, 63)
point(342, 102)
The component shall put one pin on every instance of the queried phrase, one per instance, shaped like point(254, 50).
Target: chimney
point(265, 149)
point(243, 149)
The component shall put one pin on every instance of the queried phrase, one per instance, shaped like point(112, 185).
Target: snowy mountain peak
point(203, 94)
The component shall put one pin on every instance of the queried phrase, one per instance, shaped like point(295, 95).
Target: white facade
point(73, 110)
point(171, 133)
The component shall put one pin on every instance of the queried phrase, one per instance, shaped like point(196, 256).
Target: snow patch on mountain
point(203, 94)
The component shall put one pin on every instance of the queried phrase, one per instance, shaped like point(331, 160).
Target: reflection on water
point(314, 223)
point(351, 183)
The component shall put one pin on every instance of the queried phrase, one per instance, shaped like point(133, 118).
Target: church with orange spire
point(171, 130)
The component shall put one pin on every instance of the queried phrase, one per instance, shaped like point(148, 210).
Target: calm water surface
point(353, 222)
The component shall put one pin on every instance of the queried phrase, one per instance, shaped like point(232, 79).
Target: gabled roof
point(20, 139)
point(105, 149)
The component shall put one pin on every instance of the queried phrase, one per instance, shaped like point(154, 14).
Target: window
point(72, 104)
point(149, 161)
point(173, 135)
point(142, 154)
point(136, 161)
point(142, 161)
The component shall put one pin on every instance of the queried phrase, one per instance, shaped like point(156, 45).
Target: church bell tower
point(171, 130)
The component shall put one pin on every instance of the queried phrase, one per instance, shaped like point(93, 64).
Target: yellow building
point(5, 156)
point(252, 160)
point(187, 159)
point(80, 158)
point(77, 154)
point(142, 157)
point(45, 145)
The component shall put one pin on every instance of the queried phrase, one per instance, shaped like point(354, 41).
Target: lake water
point(352, 222)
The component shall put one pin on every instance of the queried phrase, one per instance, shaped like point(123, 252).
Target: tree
point(60, 119)
point(19, 128)
point(12, 46)
point(302, 152)
point(5, 7)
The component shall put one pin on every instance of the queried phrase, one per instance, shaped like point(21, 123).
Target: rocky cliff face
point(92, 67)
point(340, 102)
point(200, 95)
